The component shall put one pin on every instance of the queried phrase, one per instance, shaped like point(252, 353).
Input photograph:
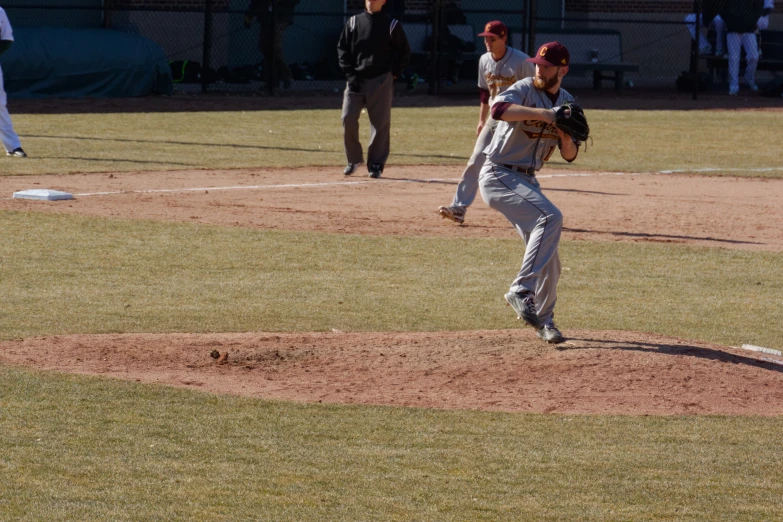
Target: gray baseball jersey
point(527, 143)
point(498, 76)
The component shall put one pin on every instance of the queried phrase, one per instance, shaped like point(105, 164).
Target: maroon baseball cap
point(552, 53)
point(495, 28)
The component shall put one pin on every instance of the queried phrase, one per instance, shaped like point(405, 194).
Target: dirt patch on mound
point(505, 370)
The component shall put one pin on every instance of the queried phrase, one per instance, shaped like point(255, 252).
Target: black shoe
point(375, 170)
point(18, 152)
point(525, 307)
point(350, 169)
point(550, 334)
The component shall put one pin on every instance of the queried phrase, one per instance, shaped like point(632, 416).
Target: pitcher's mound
point(601, 372)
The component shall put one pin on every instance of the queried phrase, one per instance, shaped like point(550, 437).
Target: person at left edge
point(13, 147)
point(372, 51)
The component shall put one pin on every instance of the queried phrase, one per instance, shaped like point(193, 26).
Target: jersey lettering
point(543, 135)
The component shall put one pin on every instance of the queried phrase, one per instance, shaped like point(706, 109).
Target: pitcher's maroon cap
point(495, 28)
point(552, 53)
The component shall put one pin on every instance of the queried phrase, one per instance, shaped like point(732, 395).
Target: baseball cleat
point(753, 86)
point(456, 214)
point(375, 170)
point(350, 169)
point(550, 334)
point(525, 306)
point(18, 152)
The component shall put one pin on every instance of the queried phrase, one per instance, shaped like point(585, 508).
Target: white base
point(43, 194)
point(761, 349)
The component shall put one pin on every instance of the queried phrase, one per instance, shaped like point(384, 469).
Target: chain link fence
point(231, 45)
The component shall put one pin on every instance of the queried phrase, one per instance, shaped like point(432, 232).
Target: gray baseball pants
point(518, 197)
point(469, 183)
point(376, 94)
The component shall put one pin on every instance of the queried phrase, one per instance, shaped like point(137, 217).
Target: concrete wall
point(29, 16)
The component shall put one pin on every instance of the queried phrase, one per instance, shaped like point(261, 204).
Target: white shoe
point(456, 214)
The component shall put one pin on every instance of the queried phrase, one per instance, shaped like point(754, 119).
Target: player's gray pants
point(468, 184)
point(518, 197)
point(376, 94)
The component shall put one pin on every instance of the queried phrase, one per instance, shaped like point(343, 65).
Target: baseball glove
point(570, 118)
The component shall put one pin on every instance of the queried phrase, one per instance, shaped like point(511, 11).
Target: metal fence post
point(272, 58)
point(695, 49)
point(207, 51)
point(107, 5)
point(531, 35)
point(435, 47)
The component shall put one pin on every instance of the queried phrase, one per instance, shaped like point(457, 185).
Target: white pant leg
point(689, 23)
point(694, 29)
point(720, 35)
point(468, 184)
point(751, 46)
point(7, 133)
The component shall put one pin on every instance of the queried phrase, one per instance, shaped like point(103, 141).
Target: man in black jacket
point(372, 51)
point(741, 17)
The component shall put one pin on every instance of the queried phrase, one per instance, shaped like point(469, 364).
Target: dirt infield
point(508, 370)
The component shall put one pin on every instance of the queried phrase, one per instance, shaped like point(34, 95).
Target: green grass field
point(627, 141)
point(79, 448)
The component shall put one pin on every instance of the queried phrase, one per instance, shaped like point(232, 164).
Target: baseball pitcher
point(527, 135)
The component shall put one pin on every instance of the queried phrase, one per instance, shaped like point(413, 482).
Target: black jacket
point(740, 16)
point(371, 45)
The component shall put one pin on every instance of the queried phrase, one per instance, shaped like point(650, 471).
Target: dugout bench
point(770, 57)
point(596, 51)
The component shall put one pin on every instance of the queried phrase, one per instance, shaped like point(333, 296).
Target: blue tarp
point(75, 63)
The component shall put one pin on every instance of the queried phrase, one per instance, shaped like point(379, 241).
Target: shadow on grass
point(662, 236)
point(550, 189)
point(221, 145)
point(118, 160)
point(674, 350)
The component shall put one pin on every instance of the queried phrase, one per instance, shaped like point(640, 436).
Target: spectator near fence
point(742, 18)
point(274, 17)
